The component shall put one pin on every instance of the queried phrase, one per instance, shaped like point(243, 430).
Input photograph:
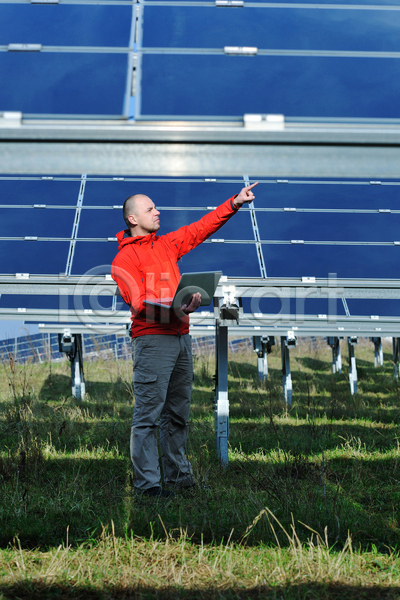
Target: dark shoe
point(184, 487)
point(186, 483)
point(156, 492)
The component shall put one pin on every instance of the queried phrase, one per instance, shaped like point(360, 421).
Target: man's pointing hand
point(246, 195)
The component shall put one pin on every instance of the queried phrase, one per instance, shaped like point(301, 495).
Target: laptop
point(190, 283)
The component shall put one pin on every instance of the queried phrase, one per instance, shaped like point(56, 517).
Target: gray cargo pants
point(162, 379)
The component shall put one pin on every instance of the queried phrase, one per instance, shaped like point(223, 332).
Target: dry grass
point(171, 568)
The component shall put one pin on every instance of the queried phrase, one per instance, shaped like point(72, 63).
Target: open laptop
point(190, 283)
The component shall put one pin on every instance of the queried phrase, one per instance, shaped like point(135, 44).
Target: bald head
point(141, 215)
point(131, 206)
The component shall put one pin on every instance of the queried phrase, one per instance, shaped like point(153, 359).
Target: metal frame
point(177, 150)
point(75, 226)
point(262, 346)
point(221, 404)
point(72, 345)
point(334, 343)
point(287, 342)
point(378, 359)
point(351, 342)
point(396, 357)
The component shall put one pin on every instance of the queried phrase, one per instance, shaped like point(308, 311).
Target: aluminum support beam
point(221, 407)
point(351, 341)
point(196, 160)
point(256, 288)
point(176, 149)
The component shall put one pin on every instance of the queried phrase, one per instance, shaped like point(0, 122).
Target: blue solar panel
point(290, 85)
point(94, 255)
point(30, 301)
point(32, 222)
point(374, 307)
point(329, 227)
point(296, 308)
point(30, 192)
point(272, 28)
point(107, 223)
point(165, 193)
point(65, 25)
point(34, 257)
point(100, 223)
point(70, 83)
point(328, 195)
point(235, 260)
point(302, 260)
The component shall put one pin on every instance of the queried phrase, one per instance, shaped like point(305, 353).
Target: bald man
point(145, 268)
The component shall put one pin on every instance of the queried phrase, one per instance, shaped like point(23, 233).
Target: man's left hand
point(193, 304)
point(246, 195)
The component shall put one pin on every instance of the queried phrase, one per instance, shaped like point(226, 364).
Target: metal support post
point(334, 343)
point(351, 341)
point(77, 377)
point(287, 342)
point(221, 406)
point(396, 347)
point(377, 341)
point(72, 346)
point(262, 346)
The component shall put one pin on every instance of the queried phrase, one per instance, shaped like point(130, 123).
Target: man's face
point(145, 217)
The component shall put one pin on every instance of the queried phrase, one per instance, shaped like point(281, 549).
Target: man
point(145, 268)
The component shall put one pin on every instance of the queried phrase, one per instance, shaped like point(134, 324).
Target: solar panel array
point(204, 61)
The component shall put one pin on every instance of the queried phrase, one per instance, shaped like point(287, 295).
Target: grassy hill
point(308, 508)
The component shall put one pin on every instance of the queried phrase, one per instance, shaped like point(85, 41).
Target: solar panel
point(274, 27)
point(71, 25)
point(41, 191)
point(294, 86)
point(32, 256)
point(64, 84)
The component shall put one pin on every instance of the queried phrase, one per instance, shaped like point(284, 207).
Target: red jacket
point(146, 268)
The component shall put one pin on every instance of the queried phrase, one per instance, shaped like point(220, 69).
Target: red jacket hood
point(124, 238)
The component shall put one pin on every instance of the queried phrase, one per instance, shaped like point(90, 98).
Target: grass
point(308, 508)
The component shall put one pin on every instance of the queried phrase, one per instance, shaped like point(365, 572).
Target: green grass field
point(308, 508)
